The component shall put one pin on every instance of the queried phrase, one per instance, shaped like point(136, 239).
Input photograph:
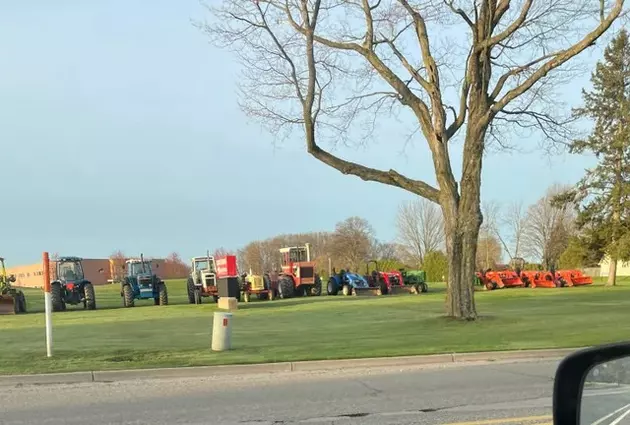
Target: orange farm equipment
point(500, 279)
point(538, 279)
point(575, 277)
point(298, 275)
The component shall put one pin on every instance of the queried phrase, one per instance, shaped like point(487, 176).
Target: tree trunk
point(612, 271)
point(461, 246)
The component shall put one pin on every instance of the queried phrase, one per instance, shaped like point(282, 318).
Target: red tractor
point(388, 282)
point(298, 275)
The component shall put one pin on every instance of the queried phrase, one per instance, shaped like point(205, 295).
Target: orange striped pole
point(47, 304)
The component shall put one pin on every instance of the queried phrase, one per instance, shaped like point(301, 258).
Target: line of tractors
point(513, 276)
point(296, 277)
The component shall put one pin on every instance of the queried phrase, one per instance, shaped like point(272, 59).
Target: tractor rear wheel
point(22, 304)
point(128, 300)
point(331, 288)
point(163, 298)
point(424, 287)
point(56, 295)
point(90, 298)
point(316, 289)
point(190, 286)
point(285, 287)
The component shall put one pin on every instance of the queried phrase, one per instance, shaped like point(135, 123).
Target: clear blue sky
point(119, 129)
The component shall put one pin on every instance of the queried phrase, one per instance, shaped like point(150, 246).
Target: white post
point(48, 305)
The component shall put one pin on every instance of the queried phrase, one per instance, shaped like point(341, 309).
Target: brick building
point(96, 270)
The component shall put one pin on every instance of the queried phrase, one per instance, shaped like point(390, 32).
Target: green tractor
point(415, 277)
point(12, 301)
point(141, 283)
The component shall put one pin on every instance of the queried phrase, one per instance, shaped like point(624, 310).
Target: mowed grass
point(307, 328)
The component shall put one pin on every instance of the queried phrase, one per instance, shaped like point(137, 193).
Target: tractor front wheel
point(56, 295)
point(190, 286)
point(424, 287)
point(332, 289)
point(163, 293)
point(128, 300)
point(316, 289)
point(90, 298)
point(285, 287)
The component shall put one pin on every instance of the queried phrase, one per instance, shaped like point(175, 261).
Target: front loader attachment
point(372, 290)
point(8, 304)
point(405, 289)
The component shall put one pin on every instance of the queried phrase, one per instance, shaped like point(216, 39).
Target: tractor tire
point(128, 299)
point(246, 297)
point(57, 297)
point(90, 297)
point(331, 288)
point(285, 287)
point(197, 296)
point(346, 290)
point(163, 297)
point(424, 287)
point(316, 289)
point(21, 303)
point(190, 286)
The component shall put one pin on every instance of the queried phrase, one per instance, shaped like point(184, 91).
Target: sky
point(120, 129)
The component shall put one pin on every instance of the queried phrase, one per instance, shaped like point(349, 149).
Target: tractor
point(141, 284)
point(298, 275)
point(417, 278)
point(389, 282)
point(258, 285)
point(350, 284)
point(70, 285)
point(12, 301)
point(202, 281)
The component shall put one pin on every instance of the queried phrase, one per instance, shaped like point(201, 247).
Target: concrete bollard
point(222, 331)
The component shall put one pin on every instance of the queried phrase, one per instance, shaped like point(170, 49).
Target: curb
point(302, 366)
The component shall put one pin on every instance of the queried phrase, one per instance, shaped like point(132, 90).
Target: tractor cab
point(70, 271)
point(140, 277)
point(203, 272)
point(296, 261)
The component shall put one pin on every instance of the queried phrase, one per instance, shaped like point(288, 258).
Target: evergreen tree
point(603, 193)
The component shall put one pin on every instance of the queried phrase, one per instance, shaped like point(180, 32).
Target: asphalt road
point(471, 394)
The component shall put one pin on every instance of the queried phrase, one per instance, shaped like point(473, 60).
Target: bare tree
point(117, 266)
point(353, 242)
point(420, 228)
point(488, 252)
point(547, 227)
point(513, 220)
point(300, 57)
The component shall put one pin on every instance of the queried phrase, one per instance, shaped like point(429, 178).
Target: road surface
point(471, 394)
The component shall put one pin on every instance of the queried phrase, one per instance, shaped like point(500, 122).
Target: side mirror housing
point(593, 386)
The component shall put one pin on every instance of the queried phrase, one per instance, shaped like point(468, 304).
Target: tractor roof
point(69, 259)
point(136, 261)
point(204, 258)
point(287, 249)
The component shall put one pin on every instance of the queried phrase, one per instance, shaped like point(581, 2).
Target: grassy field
point(308, 328)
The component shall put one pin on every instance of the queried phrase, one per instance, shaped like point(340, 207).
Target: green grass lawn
point(308, 328)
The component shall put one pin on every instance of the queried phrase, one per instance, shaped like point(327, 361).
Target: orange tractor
point(574, 277)
point(298, 275)
point(539, 279)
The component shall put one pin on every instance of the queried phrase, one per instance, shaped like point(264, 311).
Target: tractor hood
point(358, 280)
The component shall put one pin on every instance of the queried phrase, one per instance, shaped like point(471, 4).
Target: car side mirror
point(592, 386)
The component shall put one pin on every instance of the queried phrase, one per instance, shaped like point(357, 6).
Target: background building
point(97, 271)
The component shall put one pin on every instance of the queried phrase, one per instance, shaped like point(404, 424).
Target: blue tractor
point(141, 283)
point(348, 283)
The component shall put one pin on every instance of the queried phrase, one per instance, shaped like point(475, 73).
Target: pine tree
point(603, 193)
